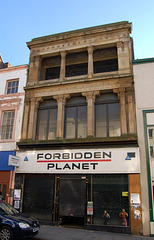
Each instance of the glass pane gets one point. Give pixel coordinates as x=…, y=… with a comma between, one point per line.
x=151, y=142
x=82, y=122
x=52, y=73
x=42, y=124
x=114, y=119
x=70, y=122
x=76, y=70
x=12, y=87
x=52, y=124
x=9, y=84
x=101, y=126
x=7, y=125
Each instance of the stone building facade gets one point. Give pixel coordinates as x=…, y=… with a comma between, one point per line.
x=78, y=151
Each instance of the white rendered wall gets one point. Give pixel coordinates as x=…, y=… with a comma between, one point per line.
x=12, y=73
x=144, y=91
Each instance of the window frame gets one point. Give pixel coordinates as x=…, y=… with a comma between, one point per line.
x=13, y=125
x=48, y=108
x=76, y=105
x=16, y=87
x=106, y=103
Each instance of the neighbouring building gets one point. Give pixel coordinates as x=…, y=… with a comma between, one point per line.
x=78, y=151
x=12, y=81
x=144, y=85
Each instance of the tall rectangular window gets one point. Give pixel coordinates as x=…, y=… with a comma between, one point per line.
x=7, y=125
x=47, y=120
x=12, y=86
x=107, y=116
x=76, y=118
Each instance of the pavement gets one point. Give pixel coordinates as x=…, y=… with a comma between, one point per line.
x=64, y=233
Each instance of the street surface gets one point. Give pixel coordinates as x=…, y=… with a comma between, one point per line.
x=64, y=233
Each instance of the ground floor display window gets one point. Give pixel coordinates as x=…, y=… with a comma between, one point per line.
x=110, y=193
x=38, y=196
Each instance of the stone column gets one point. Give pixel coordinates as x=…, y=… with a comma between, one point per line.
x=31, y=118
x=34, y=70
x=90, y=97
x=123, y=52
x=90, y=62
x=131, y=110
x=25, y=119
x=123, y=117
x=61, y=100
x=62, y=67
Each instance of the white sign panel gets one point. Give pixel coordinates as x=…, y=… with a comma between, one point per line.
x=14, y=161
x=122, y=160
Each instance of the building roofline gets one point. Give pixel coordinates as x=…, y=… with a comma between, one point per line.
x=80, y=32
x=143, y=60
x=14, y=68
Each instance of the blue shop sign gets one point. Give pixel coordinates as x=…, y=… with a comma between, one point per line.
x=4, y=158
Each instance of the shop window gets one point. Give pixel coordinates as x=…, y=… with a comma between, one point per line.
x=106, y=193
x=47, y=120
x=150, y=133
x=12, y=86
x=76, y=118
x=105, y=60
x=151, y=142
x=77, y=64
x=6, y=131
x=107, y=116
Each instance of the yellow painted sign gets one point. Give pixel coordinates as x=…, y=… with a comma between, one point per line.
x=124, y=194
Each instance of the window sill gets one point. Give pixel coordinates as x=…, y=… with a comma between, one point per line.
x=6, y=140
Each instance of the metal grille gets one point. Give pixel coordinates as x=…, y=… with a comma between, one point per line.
x=72, y=197
x=107, y=195
x=38, y=196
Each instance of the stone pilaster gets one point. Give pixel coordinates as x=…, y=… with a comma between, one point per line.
x=25, y=119
x=131, y=110
x=61, y=100
x=90, y=97
x=31, y=118
x=34, y=70
x=90, y=62
x=123, y=117
x=62, y=67
x=123, y=57
x=37, y=103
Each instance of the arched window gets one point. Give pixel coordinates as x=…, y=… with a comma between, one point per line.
x=76, y=118
x=107, y=116
x=47, y=120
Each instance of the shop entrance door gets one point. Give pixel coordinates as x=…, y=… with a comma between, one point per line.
x=4, y=183
x=72, y=199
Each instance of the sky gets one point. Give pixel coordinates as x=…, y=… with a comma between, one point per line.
x=21, y=21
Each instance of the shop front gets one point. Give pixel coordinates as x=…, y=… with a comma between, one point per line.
x=76, y=186
x=6, y=175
